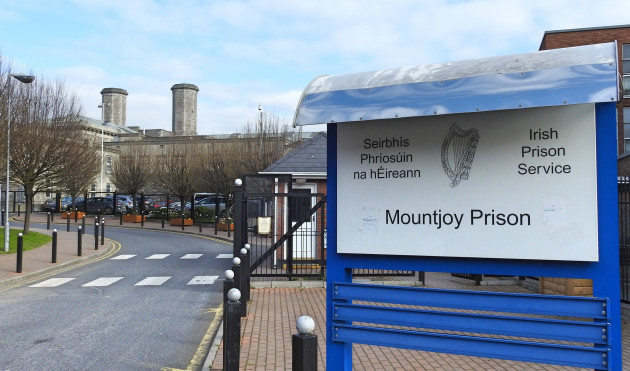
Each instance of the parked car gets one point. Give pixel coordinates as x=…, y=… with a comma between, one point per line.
x=105, y=204
x=50, y=204
x=124, y=203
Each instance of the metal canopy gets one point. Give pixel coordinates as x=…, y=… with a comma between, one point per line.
x=583, y=74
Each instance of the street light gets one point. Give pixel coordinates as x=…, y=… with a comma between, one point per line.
x=26, y=79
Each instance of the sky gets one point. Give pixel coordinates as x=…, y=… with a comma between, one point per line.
x=243, y=54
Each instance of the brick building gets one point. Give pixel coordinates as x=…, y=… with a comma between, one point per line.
x=584, y=36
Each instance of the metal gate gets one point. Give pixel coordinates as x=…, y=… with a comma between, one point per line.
x=286, y=227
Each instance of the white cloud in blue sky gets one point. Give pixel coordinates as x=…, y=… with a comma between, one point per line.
x=244, y=53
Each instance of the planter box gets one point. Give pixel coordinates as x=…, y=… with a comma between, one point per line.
x=134, y=218
x=223, y=226
x=80, y=215
x=178, y=221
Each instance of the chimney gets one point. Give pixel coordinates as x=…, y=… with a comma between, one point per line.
x=184, y=109
x=114, y=102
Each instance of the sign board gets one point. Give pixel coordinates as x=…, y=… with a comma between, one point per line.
x=511, y=184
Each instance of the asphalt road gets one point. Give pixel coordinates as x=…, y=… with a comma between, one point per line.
x=147, y=307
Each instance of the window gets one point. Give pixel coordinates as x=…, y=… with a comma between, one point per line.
x=109, y=165
x=93, y=187
x=108, y=188
x=625, y=81
x=626, y=129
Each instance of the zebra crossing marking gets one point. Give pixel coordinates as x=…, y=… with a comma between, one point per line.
x=192, y=256
x=224, y=256
x=157, y=256
x=102, y=282
x=123, y=257
x=202, y=280
x=153, y=281
x=52, y=282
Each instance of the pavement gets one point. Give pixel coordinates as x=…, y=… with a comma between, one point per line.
x=274, y=307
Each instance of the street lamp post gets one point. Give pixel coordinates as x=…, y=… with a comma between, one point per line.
x=25, y=79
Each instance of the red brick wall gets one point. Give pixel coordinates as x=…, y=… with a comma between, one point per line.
x=555, y=40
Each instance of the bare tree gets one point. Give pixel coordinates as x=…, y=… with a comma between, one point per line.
x=176, y=170
x=76, y=179
x=259, y=146
x=45, y=136
x=132, y=171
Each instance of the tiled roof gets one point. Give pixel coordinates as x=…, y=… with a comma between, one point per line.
x=310, y=157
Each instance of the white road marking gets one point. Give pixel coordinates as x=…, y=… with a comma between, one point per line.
x=153, y=281
x=103, y=281
x=202, y=280
x=157, y=256
x=192, y=256
x=123, y=257
x=52, y=282
x=224, y=256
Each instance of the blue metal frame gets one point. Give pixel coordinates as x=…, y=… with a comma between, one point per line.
x=604, y=273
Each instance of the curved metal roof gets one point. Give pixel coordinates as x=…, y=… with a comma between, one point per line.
x=584, y=74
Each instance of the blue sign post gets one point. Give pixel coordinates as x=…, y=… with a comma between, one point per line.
x=502, y=166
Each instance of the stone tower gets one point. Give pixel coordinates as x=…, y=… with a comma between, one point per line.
x=114, y=105
x=185, y=109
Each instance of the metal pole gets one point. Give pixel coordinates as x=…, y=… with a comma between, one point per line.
x=83, y=225
x=228, y=284
x=48, y=221
x=182, y=221
x=68, y=222
x=20, y=251
x=103, y=231
x=54, y=246
x=96, y=236
x=6, y=205
x=80, y=241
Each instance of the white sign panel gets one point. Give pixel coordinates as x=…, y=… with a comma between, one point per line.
x=517, y=184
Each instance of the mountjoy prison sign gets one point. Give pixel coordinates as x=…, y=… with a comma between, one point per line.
x=503, y=184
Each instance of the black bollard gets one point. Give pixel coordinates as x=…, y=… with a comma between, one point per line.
x=80, y=242
x=200, y=228
x=244, y=275
x=304, y=346
x=121, y=217
x=52, y=216
x=48, y=221
x=76, y=216
x=98, y=214
x=142, y=218
x=3, y=217
x=103, y=231
x=228, y=284
x=68, y=222
x=54, y=246
x=182, y=222
x=233, y=338
x=83, y=225
x=162, y=221
x=96, y=236
x=20, y=252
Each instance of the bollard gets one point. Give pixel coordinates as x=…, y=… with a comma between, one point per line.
x=200, y=228
x=182, y=221
x=228, y=284
x=304, y=345
x=238, y=280
x=54, y=246
x=96, y=236
x=103, y=231
x=162, y=221
x=142, y=218
x=3, y=217
x=76, y=216
x=233, y=337
x=48, y=221
x=83, y=225
x=80, y=242
x=52, y=216
x=248, y=274
x=121, y=217
x=98, y=214
x=19, y=207
x=20, y=252
x=68, y=222
x=244, y=274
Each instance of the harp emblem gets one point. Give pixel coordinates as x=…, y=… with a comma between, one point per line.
x=458, y=151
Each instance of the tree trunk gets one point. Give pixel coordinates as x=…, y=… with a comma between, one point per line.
x=29, y=205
